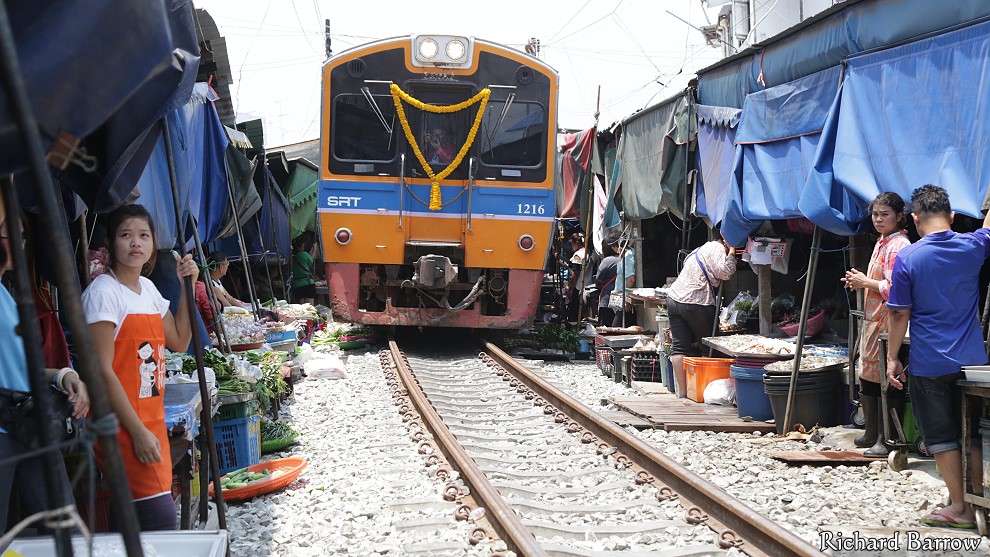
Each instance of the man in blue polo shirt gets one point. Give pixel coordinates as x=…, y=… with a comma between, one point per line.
x=935, y=287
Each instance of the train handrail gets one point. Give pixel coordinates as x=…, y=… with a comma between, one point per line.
x=470, y=188
x=402, y=184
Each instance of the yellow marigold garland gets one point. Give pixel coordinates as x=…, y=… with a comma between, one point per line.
x=398, y=95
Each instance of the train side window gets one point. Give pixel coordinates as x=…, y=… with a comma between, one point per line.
x=518, y=140
x=359, y=128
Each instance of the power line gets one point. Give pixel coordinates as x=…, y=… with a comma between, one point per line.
x=597, y=21
x=240, y=71
x=299, y=21
x=570, y=20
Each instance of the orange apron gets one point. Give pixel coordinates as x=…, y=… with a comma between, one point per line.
x=139, y=362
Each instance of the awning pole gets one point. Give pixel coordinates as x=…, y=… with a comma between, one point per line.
x=261, y=240
x=816, y=241
x=53, y=218
x=240, y=243
x=209, y=288
x=278, y=245
x=206, y=414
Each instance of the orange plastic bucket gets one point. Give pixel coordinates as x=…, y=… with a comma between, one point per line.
x=700, y=372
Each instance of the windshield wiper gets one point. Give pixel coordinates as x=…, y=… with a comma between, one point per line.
x=378, y=111
x=501, y=117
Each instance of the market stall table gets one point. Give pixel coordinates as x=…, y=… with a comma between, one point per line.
x=981, y=503
x=183, y=405
x=651, y=311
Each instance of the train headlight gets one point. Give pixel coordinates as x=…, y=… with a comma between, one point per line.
x=526, y=242
x=455, y=50
x=428, y=49
x=343, y=236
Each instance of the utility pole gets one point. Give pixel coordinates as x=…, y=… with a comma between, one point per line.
x=326, y=37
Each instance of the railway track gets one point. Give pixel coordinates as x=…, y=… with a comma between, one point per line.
x=549, y=476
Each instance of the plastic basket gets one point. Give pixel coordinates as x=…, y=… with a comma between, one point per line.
x=238, y=443
x=284, y=471
x=100, y=522
x=646, y=367
x=815, y=325
x=237, y=410
x=700, y=372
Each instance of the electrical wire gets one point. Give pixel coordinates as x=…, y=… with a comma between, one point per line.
x=593, y=23
x=240, y=72
x=569, y=20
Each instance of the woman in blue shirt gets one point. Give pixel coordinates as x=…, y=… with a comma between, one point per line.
x=26, y=476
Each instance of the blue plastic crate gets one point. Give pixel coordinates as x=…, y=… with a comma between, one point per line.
x=283, y=336
x=238, y=443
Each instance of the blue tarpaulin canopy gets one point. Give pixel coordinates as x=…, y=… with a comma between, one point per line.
x=275, y=221
x=905, y=117
x=776, y=143
x=715, y=155
x=198, y=147
x=824, y=40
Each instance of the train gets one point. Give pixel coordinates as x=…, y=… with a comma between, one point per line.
x=436, y=182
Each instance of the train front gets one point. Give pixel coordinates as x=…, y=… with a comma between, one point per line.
x=436, y=183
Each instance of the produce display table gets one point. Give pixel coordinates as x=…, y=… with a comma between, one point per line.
x=649, y=311
x=183, y=405
x=974, y=392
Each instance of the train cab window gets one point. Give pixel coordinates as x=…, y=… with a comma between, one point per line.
x=361, y=129
x=516, y=139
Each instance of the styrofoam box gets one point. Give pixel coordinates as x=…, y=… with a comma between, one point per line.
x=186, y=543
x=977, y=373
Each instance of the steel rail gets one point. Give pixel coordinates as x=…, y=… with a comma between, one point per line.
x=761, y=535
x=499, y=513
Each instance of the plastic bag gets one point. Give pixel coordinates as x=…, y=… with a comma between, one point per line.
x=721, y=391
x=734, y=315
x=327, y=367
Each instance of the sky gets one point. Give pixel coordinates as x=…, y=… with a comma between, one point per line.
x=633, y=49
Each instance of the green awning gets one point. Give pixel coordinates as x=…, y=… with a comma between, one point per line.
x=302, y=189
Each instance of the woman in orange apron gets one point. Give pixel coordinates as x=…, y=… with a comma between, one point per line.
x=887, y=213
x=131, y=327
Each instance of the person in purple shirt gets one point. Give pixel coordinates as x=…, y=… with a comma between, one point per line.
x=935, y=287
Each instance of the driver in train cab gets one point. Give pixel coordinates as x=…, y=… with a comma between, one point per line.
x=439, y=148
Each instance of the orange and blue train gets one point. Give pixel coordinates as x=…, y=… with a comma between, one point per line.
x=437, y=182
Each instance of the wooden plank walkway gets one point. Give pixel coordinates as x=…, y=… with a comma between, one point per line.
x=665, y=411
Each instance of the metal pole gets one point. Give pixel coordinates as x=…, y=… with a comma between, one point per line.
x=278, y=245
x=206, y=415
x=264, y=251
x=209, y=288
x=809, y=283
x=52, y=217
x=31, y=339
x=240, y=243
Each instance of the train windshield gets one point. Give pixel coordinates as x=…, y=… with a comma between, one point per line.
x=364, y=128
x=513, y=133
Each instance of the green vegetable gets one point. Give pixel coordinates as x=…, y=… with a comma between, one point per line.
x=556, y=337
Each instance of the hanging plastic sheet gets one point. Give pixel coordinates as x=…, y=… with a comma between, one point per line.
x=905, y=117
x=274, y=219
x=716, y=151
x=198, y=147
x=575, y=158
x=655, y=156
x=80, y=61
x=302, y=188
x=240, y=173
x=827, y=39
x=776, y=143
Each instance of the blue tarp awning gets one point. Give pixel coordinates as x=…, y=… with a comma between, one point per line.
x=776, y=144
x=198, y=147
x=905, y=117
x=828, y=38
x=715, y=155
x=275, y=221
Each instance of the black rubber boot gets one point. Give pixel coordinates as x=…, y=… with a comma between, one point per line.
x=880, y=449
x=871, y=414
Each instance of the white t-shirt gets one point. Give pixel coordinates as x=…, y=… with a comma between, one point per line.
x=108, y=300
